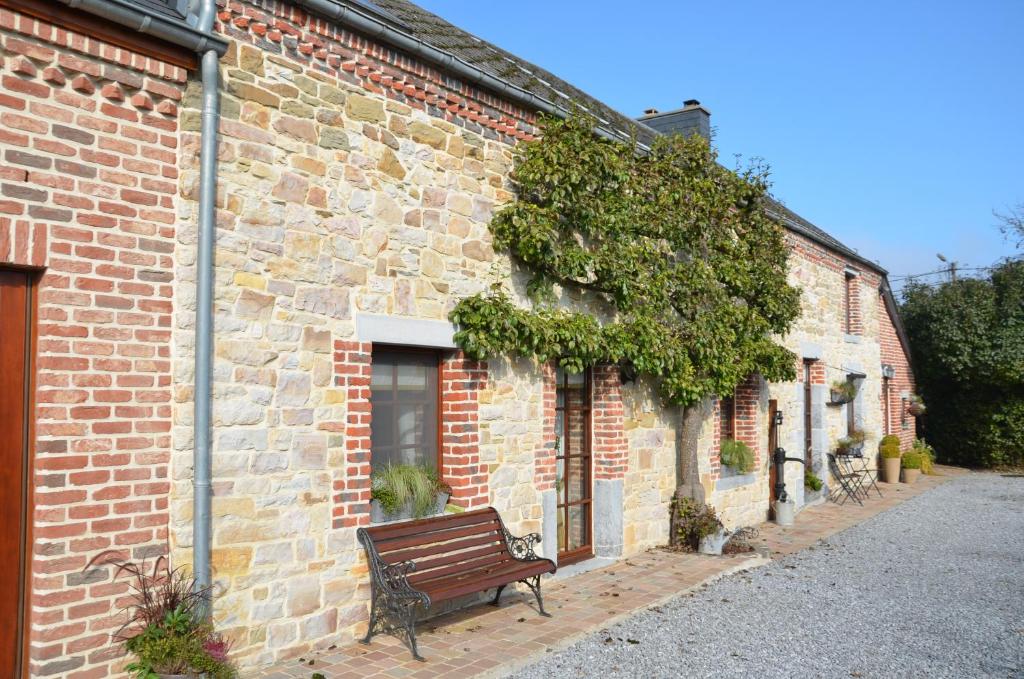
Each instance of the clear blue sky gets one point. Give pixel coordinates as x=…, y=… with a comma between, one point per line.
x=896, y=126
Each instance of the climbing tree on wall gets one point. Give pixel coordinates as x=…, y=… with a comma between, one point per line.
x=663, y=261
x=683, y=266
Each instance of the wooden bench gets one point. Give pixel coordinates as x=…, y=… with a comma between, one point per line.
x=424, y=562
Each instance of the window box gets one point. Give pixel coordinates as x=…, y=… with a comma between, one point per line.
x=378, y=515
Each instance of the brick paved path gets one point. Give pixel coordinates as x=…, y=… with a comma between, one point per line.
x=487, y=641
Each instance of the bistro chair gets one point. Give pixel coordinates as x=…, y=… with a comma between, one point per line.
x=849, y=482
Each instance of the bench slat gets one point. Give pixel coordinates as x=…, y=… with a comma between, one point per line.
x=491, y=560
x=437, y=536
x=453, y=587
x=398, y=530
x=423, y=565
x=445, y=548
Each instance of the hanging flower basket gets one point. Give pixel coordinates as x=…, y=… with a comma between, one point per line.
x=916, y=406
x=842, y=393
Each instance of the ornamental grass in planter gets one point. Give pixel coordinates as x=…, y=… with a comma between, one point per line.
x=167, y=630
x=842, y=392
x=889, y=449
x=912, y=462
x=406, y=491
x=736, y=455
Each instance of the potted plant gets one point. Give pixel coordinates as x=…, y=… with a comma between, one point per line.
x=737, y=455
x=406, y=491
x=851, y=444
x=889, y=449
x=843, y=391
x=916, y=406
x=167, y=630
x=911, y=466
x=927, y=456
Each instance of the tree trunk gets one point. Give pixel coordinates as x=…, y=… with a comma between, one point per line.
x=688, y=483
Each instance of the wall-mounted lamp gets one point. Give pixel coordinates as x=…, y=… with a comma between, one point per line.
x=888, y=371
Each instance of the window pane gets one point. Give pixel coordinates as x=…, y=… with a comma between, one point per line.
x=403, y=402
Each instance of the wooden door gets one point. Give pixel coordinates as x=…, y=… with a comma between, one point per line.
x=773, y=443
x=574, y=467
x=15, y=345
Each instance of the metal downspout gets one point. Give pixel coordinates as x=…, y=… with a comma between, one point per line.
x=201, y=493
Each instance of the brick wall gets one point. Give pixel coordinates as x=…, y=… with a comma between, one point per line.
x=461, y=383
x=610, y=447
x=851, y=305
x=901, y=423
x=546, y=465
x=352, y=369
x=88, y=136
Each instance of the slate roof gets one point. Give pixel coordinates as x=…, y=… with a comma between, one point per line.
x=506, y=66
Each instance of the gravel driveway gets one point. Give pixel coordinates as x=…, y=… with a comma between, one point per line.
x=931, y=588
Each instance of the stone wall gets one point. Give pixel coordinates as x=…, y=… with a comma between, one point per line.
x=88, y=137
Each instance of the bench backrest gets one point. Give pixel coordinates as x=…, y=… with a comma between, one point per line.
x=443, y=545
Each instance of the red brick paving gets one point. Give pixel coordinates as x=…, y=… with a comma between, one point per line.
x=483, y=641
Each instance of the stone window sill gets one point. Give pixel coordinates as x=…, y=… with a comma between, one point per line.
x=730, y=482
x=851, y=339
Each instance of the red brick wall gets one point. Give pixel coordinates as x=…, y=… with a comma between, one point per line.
x=901, y=423
x=352, y=370
x=461, y=382
x=545, y=469
x=610, y=447
x=88, y=137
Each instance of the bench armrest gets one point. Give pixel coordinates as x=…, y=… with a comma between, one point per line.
x=521, y=548
x=393, y=578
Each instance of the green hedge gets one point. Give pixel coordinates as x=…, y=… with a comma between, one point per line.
x=967, y=342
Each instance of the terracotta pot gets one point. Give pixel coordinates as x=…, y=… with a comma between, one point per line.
x=911, y=475
x=892, y=469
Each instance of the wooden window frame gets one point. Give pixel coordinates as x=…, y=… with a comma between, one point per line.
x=438, y=354
x=808, y=414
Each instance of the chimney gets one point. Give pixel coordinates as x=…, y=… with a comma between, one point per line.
x=692, y=118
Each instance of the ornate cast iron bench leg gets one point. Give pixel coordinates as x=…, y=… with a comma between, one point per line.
x=534, y=585
x=497, y=596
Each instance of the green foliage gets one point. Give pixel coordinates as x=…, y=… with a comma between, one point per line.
x=677, y=258
x=927, y=454
x=812, y=481
x=692, y=522
x=398, y=485
x=736, y=454
x=912, y=460
x=890, y=450
x=179, y=645
x=889, y=440
x=967, y=340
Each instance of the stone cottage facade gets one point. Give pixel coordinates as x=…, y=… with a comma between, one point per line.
x=355, y=184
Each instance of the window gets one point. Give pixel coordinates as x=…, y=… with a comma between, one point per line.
x=848, y=303
x=851, y=410
x=574, y=466
x=727, y=407
x=404, y=400
x=808, y=415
